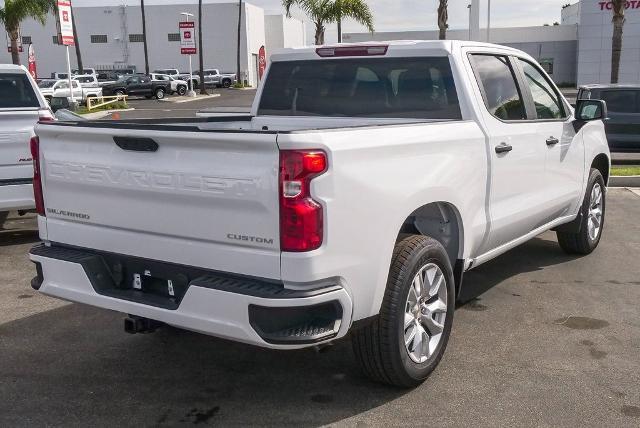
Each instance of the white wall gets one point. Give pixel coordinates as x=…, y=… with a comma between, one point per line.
x=594, y=44
x=570, y=15
x=539, y=34
x=282, y=32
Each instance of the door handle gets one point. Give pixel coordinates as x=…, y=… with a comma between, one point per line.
x=552, y=141
x=503, y=148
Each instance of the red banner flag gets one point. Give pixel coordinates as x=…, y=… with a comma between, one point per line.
x=32, y=62
x=262, y=62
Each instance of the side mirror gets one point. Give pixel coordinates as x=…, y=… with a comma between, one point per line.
x=589, y=110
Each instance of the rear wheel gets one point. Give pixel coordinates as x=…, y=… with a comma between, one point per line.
x=226, y=83
x=591, y=219
x=182, y=90
x=3, y=217
x=159, y=93
x=406, y=341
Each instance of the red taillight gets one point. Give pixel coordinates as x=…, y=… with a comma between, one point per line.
x=37, y=179
x=301, y=218
x=330, y=51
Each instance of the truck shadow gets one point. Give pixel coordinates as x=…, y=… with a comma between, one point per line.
x=76, y=365
x=532, y=256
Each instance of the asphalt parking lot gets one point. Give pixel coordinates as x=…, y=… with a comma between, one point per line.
x=154, y=109
x=550, y=340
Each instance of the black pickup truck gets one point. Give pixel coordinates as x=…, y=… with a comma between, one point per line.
x=137, y=85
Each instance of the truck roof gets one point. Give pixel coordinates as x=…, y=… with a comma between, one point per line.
x=435, y=46
x=11, y=68
x=611, y=86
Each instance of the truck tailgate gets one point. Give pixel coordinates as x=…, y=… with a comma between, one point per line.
x=204, y=199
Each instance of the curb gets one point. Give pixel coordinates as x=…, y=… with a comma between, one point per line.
x=188, y=100
x=628, y=181
x=103, y=113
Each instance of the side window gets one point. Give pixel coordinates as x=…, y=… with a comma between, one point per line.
x=501, y=94
x=622, y=101
x=546, y=100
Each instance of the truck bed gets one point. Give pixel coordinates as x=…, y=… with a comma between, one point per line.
x=245, y=122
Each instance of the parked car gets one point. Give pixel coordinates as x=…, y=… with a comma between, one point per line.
x=61, y=89
x=85, y=71
x=623, y=105
x=176, y=86
x=365, y=181
x=21, y=106
x=213, y=77
x=138, y=86
x=59, y=76
x=88, y=80
x=173, y=72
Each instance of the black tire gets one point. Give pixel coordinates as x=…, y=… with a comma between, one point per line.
x=583, y=242
x=226, y=83
x=182, y=90
x=3, y=217
x=159, y=93
x=380, y=346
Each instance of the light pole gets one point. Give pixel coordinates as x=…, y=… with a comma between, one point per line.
x=191, y=93
x=489, y=21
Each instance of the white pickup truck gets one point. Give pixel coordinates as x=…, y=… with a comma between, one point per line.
x=366, y=180
x=60, y=88
x=21, y=107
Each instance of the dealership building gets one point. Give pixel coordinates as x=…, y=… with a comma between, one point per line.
x=578, y=51
x=110, y=36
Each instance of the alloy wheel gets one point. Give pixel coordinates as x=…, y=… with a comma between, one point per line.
x=425, y=313
x=594, y=220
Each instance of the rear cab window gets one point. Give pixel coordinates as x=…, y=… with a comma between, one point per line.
x=412, y=88
x=16, y=91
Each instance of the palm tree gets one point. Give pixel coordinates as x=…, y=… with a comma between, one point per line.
x=203, y=89
x=240, y=81
x=144, y=38
x=16, y=11
x=443, y=17
x=323, y=12
x=616, y=41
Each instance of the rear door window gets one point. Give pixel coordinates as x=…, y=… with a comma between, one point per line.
x=16, y=91
x=418, y=88
x=500, y=90
x=622, y=100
